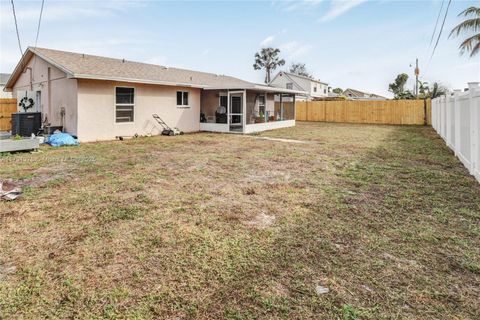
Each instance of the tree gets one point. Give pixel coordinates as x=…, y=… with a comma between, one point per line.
x=436, y=91
x=338, y=91
x=470, y=24
x=269, y=60
x=398, y=87
x=300, y=69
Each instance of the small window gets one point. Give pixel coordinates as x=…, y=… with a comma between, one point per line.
x=182, y=98
x=261, y=104
x=290, y=86
x=223, y=100
x=314, y=88
x=325, y=91
x=124, y=104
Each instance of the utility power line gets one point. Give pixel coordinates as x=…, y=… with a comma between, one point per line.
x=441, y=29
x=436, y=25
x=439, y=35
x=36, y=38
x=16, y=28
x=39, y=22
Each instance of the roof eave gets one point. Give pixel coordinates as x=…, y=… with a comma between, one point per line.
x=134, y=80
x=29, y=52
x=259, y=88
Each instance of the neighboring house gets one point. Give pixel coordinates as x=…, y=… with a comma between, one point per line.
x=99, y=98
x=3, y=80
x=353, y=94
x=314, y=88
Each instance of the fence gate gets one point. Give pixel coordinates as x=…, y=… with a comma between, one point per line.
x=7, y=107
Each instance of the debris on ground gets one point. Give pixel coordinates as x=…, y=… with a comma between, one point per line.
x=9, y=190
x=321, y=290
x=59, y=139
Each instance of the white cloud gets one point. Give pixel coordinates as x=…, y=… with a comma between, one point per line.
x=28, y=12
x=293, y=49
x=340, y=7
x=290, y=6
x=267, y=40
x=205, y=52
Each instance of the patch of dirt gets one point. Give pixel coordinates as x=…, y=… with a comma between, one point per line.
x=261, y=221
x=6, y=269
x=269, y=176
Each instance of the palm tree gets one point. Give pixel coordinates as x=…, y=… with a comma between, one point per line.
x=437, y=90
x=269, y=60
x=472, y=23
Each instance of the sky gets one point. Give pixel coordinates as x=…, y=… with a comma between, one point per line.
x=349, y=44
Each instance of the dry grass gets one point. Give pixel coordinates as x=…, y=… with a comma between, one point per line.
x=226, y=226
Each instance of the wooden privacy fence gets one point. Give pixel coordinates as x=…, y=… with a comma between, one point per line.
x=416, y=112
x=7, y=107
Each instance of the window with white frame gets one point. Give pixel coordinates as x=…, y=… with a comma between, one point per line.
x=261, y=104
x=315, y=88
x=182, y=98
x=290, y=85
x=124, y=104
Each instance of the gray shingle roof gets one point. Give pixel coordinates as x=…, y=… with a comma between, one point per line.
x=85, y=66
x=90, y=66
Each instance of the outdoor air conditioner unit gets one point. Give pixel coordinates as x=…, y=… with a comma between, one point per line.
x=26, y=123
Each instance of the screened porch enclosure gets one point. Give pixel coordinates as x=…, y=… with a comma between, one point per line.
x=246, y=111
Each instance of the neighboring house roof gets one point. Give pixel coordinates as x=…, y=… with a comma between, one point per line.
x=84, y=66
x=4, y=78
x=293, y=76
x=281, y=73
x=360, y=94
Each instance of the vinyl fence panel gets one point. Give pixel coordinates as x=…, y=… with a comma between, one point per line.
x=456, y=118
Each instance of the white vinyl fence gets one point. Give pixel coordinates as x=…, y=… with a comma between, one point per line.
x=456, y=118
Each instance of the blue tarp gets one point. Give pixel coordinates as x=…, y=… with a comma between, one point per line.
x=61, y=139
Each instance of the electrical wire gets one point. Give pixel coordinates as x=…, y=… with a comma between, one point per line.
x=16, y=28
x=441, y=29
x=438, y=37
x=36, y=38
x=436, y=25
x=39, y=22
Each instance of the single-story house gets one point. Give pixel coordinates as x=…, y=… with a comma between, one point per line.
x=3, y=80
x=314, y=88
x=99, y=98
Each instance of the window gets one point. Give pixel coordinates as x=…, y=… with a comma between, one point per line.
x=325, y=91
x=290, y=86
x=124, y=104
x=223, y=100
x=182, y=98
x=314, y=88
x=261, y=104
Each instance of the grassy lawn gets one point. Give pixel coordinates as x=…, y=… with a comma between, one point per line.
x=236, y=227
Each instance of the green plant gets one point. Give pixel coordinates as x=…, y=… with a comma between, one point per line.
x=471, y=23
x=269, y=60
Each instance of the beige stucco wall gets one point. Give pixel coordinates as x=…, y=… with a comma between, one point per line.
x=63, y=93
x=96, y=105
